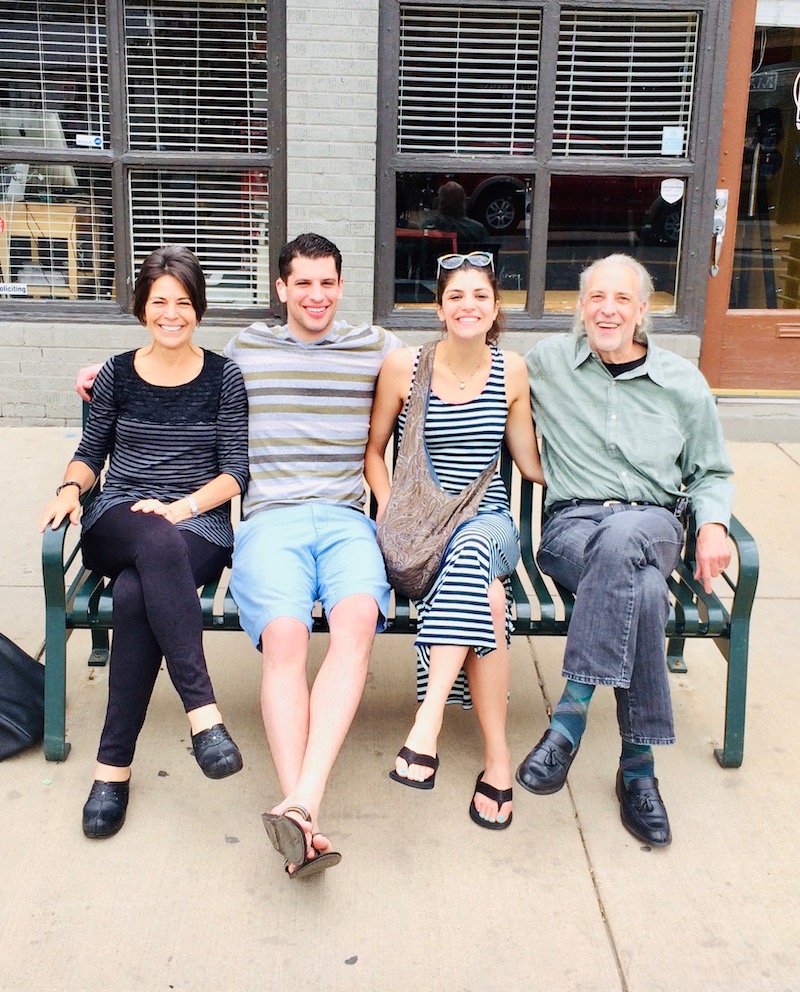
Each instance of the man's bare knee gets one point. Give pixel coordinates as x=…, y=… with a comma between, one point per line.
x=284, y=641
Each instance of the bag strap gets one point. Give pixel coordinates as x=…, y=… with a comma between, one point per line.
x=413, y=442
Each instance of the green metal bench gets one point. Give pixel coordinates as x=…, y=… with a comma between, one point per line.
x=79, y=599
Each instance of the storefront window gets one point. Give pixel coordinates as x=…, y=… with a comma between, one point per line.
x=553, y=139
x=766, y=268
x=101, y=162
x=593, y=216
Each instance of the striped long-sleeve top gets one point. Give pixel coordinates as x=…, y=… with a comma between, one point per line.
x=165, y=442
x=310, y=404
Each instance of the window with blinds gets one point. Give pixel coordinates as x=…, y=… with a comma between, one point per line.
x=54, y=74
x=197, y=82
x=101, y=163
x=468, y=79
x=625, y=82
x=518, y=116
x=221, y=216
x=197, y=75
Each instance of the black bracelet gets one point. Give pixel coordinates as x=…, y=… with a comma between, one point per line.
x=69, y=482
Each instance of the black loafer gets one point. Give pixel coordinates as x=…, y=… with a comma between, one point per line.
x=104, y=811
x=642, y=810
x=216, y=753
x=545, y=769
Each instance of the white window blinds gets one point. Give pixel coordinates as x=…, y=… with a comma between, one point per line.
x=468, y=79
x=197, y=75
x=221, y=216
x=54, y=76
x=625, y=82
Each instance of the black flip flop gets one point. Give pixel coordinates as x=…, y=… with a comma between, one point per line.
x=412, y=758
x=499, y=796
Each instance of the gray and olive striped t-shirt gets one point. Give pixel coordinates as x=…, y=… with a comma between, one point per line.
x=309, y=406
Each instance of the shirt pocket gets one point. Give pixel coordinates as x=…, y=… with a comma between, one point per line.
x=658, y=442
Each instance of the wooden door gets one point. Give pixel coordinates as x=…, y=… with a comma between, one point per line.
x=752, y=328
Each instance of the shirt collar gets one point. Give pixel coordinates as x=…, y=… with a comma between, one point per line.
x=652, y=366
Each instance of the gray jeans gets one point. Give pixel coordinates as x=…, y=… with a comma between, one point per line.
x=616, y=560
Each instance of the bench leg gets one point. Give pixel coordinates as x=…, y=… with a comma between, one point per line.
x=731, y=754
x=99, y=655
x=675, y=662
x=56, y=747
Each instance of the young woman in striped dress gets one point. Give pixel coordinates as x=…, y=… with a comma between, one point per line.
x=173, y=419
x=479, y=397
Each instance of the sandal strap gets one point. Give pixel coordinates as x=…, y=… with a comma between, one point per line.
x=412, y=758
x=499, y=796
x=305, y=815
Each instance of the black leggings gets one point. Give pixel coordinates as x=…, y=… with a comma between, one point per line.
x=156, y=568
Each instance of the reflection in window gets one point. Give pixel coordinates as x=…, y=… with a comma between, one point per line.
x=593, y=216
x=438, y=213
x=766, y=264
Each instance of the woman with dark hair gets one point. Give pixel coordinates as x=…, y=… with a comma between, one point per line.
x=479, y=397
x=173, y=419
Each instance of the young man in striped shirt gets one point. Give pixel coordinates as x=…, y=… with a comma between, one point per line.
x=310, y=385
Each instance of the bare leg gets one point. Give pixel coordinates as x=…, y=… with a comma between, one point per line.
x=314, y=733
x=446, y=660
x=285, y=696
x=489, y=678
x=111, y=773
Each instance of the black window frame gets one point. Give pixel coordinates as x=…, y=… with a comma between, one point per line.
x=698, y=169
x=121, y=160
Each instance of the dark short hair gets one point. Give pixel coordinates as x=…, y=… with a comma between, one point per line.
x=170, y=260
x=443, y=279
x=452, y=200
x=307, y=246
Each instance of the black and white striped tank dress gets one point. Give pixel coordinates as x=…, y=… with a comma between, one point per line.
x=462, y=439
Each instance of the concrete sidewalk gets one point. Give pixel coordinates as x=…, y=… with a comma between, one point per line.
x=190, y=895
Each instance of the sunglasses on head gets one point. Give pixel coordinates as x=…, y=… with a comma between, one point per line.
x=480, y=259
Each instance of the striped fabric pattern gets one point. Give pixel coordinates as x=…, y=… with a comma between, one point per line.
x=462, y=439
x=456, y=610
x=167, y=441
x=309, y=405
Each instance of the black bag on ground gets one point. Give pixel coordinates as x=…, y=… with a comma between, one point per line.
x=21, y=699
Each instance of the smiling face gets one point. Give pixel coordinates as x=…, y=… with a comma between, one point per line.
x=169, y=314
x=611, y=310
x=311, y=292
x=469, y=306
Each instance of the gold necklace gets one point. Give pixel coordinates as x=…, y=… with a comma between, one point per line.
x=462, y=383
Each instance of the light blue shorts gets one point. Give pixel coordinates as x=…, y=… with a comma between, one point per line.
x=289, y=558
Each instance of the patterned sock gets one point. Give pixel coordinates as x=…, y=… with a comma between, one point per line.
x=636, y=761
x=569, y=716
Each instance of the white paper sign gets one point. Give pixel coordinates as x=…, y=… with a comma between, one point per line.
x=671, y=190
x=672, y=140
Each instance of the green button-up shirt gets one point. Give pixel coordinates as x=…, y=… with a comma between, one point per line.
x=651, y=434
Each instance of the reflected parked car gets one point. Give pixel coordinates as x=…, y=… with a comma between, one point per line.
x=577, y=203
